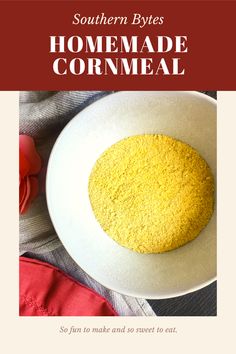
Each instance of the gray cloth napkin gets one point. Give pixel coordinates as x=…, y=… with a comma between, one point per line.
x=43, y=114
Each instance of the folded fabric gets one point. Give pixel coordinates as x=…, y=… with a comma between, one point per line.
x=47, y=291
x=123, y=304
x=43, y=114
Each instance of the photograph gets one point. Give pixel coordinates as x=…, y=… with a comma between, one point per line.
x=118, y=176
x=117, y=203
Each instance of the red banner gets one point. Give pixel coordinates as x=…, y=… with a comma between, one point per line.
x=117, y=45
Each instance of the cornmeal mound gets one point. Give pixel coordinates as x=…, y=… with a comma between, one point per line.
x=151, y=193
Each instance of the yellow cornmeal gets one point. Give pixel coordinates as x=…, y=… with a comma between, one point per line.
x=151, y=193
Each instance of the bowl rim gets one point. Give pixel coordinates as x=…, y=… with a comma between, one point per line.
x=128, y=293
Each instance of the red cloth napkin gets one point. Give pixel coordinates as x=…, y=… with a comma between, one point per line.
x=47, y=291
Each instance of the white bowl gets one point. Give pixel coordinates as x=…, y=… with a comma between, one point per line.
x=188, y=116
